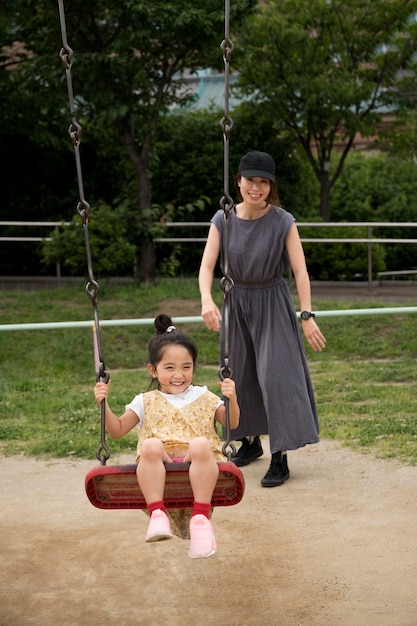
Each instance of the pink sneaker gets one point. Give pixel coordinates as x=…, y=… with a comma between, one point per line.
x=159, y=527
x=203, y=542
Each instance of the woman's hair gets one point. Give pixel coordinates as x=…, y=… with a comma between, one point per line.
x=272, y=196
x=168, y=335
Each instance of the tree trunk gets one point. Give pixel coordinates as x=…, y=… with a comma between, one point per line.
x=325, y=195
x=145, y=260
x=144, y=269
x=145, y=251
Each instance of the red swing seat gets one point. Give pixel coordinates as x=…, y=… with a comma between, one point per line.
x=116, y=487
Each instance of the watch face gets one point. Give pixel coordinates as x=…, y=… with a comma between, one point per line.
x=305, y=315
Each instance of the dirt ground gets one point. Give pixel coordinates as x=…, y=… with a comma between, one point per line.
x=335, y=546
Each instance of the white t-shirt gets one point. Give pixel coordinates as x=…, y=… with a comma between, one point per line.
x=179, y=400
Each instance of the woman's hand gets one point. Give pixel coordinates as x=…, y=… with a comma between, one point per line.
x=211, y=315
x=313, y=335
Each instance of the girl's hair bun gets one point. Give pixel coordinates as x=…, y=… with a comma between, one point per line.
x=162, y=323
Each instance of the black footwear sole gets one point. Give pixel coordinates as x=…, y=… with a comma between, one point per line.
x=247, y=461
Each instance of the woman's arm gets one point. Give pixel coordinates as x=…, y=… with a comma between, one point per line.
x=209, y=310
x=295, y=251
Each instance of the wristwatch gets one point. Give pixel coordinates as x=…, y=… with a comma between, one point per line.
x=305, y=315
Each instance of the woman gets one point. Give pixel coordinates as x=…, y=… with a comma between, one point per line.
x=267, y=357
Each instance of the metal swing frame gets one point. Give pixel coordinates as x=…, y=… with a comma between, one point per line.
x=116, y=486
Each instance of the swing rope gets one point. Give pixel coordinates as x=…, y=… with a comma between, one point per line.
x=83, y=208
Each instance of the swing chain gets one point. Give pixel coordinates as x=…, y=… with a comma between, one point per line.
x=226, y=203
x=227, y=48
x=226, y=123
x=83, y=208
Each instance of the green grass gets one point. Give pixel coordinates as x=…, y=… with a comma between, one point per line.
x=365, y=380
x=370, y=405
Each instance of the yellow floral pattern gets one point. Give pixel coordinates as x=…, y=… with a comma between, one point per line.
x=177, y=427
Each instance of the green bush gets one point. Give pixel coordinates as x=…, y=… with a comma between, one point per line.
x=340, y=261
x=111, y=251
x=380, y=188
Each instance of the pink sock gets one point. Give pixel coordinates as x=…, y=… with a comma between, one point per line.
x=201, y=508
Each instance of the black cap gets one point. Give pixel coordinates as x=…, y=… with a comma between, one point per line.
x=257, y=164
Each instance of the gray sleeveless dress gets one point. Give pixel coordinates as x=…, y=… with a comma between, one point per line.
x=266, y=350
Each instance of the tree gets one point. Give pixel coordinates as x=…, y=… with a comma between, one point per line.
x=326, y=70
x=200, y=173
x=381, y=188
x=129, y=57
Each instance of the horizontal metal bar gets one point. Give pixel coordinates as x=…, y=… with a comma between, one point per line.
x=304, y=240
x=203, y=239
x=358, y=240
x=86, y=324
x=314, y=224
x=25, y=238
x=191, y=224
x=182, y=239
x=47, y=224
x=397, y=272
x=371, y=224
x=196, y=319
x=206, y=224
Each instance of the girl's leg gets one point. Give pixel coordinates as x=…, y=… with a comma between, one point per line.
x=204, y=470
x=151, y=471
x=151, y=476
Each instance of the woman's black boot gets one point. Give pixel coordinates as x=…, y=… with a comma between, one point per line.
x=248, y=452
x=278, y=471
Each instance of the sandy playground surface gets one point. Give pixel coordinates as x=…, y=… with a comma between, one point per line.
x=334, y=546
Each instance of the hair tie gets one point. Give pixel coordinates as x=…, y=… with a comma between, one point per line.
x=170, y=329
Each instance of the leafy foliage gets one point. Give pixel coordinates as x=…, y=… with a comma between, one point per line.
x=381, y=188
x=196, y=136
x=110, y=248
x=343, y=261
x=305, y=67
x=326, y=71
x=127, y=71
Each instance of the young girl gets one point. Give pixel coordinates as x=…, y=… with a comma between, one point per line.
x=176, y=422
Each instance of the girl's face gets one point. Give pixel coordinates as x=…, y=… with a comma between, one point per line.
x=254, y=190
x=175, y=370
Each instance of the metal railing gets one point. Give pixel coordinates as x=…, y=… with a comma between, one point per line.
x=368, y=239
x=49, y=225
x=54, y=225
